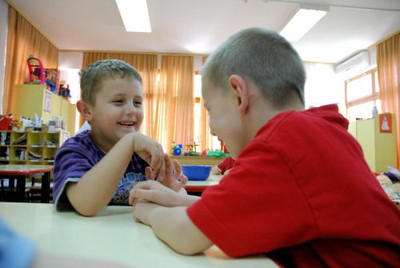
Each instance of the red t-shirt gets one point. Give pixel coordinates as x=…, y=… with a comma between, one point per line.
x=226, y=164
x=302, y=193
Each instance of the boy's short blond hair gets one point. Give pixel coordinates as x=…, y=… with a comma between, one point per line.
x=262, y=56
x=93, y=76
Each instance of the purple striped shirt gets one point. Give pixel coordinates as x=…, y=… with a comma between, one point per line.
x=77, y=156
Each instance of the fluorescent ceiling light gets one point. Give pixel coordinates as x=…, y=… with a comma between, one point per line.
x=302, y=22
x=135, y=15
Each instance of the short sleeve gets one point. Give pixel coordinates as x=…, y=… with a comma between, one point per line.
x=76, y=157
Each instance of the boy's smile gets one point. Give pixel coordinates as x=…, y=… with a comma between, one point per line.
x=127, y=124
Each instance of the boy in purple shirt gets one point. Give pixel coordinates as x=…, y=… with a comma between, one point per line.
x=100, y=166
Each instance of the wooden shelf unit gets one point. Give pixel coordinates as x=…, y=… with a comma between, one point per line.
x=30, y=147
x=36, y=99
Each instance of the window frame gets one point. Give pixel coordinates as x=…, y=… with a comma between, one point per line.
x=373, y=97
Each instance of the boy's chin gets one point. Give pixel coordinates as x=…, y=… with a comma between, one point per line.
x=125, y=131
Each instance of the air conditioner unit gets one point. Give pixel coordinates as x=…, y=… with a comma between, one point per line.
x=356, y=62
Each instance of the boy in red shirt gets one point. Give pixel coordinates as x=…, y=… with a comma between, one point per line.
x=224, y=167
x=301, y=191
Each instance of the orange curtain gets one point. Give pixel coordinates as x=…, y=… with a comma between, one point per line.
x=23, y=40
x=173, y=102
x=146, y=64
x=388, y=62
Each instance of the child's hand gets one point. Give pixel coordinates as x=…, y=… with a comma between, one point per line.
x=151, y=152
x=215, y=170
x=142, y=211
x=174, y=179
x=154, y=192
x=227, y=171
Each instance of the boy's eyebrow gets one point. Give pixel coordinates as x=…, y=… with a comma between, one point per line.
x=123, y=95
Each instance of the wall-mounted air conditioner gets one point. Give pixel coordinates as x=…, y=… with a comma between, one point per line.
x=356, y=62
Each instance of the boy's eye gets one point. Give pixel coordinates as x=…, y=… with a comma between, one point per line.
x=118, y=101
x=137, y=103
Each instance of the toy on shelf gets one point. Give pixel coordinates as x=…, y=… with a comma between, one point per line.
x=191, y=149
x=5, y=122
x=36, y=70
x=216, y=153
x=52, y=80
x=63, y=91
x=176, y=149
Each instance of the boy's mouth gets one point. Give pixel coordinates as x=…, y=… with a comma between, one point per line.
x=127, y=123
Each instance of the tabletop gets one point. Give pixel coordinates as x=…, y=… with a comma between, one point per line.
x=112, y=235
x=24, y=169
x=198, y=186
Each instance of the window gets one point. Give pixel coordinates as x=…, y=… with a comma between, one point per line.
x=362, y=94
x=197, y=107
x=214, y=144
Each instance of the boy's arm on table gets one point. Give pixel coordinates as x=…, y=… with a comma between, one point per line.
x=167, y=217
x=95, y=189
x=173, y=226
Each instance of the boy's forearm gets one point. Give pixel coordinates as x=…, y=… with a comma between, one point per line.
x=95, y=189
x=187, y=199
x=173, y=226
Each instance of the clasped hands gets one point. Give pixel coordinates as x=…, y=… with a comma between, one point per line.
x=162, y=189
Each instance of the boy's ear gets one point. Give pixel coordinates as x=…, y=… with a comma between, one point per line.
x=84, y=110
x=239, y=87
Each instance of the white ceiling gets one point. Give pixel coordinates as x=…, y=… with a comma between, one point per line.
x=198, y=26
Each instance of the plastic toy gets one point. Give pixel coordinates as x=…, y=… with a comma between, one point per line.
x=176, y=149
x=36, y=69
x=51, y=86
x=216, y=153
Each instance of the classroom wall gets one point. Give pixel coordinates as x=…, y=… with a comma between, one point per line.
x=3, y=45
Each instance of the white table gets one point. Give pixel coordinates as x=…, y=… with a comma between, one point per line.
x=194, y=186
x=112, y=235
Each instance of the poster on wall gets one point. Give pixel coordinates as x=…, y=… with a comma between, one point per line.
x=385, y=123
x=47, y=102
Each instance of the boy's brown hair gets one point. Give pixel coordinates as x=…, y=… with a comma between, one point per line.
x=93, y=76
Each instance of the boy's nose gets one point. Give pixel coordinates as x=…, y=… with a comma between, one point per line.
x=130, y=108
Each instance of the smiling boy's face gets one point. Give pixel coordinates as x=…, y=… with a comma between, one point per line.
x=117, y=111
x=224, y=118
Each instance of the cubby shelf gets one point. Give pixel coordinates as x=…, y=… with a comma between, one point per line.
x=30, y=147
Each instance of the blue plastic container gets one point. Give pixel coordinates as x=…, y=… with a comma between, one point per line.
x=196, y=172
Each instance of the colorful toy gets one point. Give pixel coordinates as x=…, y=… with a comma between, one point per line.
x=51, y=86
x=216, y=153
x=176, y=149
x=36, y=69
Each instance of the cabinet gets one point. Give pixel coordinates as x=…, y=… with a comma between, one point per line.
x=31, y=147
x=36, y=99
x=379, y=147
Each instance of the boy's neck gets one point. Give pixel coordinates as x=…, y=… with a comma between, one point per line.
x=104, y=147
